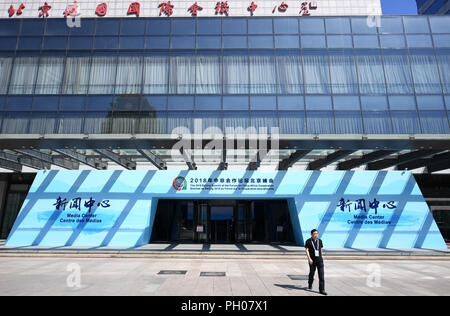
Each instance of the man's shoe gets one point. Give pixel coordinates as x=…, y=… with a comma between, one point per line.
x=309, y=287
x=323, y=293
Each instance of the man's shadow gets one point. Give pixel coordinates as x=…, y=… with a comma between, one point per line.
x=294, y=287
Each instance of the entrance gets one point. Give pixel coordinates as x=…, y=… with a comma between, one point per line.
x=223, y=221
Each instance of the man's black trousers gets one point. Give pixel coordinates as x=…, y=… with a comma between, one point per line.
x=317, y=263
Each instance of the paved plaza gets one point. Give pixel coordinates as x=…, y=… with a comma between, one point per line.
x=136, y=276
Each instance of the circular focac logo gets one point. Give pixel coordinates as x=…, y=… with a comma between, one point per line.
x=179, y=183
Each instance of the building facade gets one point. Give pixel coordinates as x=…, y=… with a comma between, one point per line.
x=433, y=6
x=265, y=91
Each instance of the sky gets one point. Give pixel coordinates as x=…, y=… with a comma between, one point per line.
x=399, y=7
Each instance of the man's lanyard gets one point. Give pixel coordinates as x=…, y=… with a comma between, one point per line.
x=316, y=251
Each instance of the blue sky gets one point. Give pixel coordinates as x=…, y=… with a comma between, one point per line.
x=399, y=7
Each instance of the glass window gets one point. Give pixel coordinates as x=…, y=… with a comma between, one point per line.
x=183, y=41
x=441, y=40
x=260, y=41
x=103, y=73
x=402, y=102
x=132, y=42
x=9, y=27
x=124, y=122
x=50, y=75
x=360, y=26
x=312, y=26
x=425, y=72
x=313, y=41
x=15, y=122
x=260, y=26
x=377, y=122
x=179, y=122
x=32, y=27
x=391, y=25
x=23, y=75
x=106, y=42
x=292, y=122
x=180, y=103
x=209, y=42
x=158, y=26
x=80, y=42
x=234, y=26
x=152, y=123
x=42, y=123
x=156, y=69
x=211, y=121
x=234, y=41
x=87, y=29
x=97, y=123
x=154, y=103
x=263, y=103
x=235, y=74
x=183, y=26
x=208, y=75
x=236, y=121
x=19, y=103
x=374, y=103
x=72, y=103
x=208, y=102
x=289, y=74
x=339, y=41
x=182, y=75
x=370, y=73
x=434, y=122
x=57, y=27
x=343, y=73
x=348, y=122
x=292, y=102
x=405, y=122
x=398, y=72
x=76, y=75
x=262, y=74
x=235, y=103
x=415, y=24
x=99, y=103
x=129, y=75
x=347, y=102
x=157, y=42
x=318, y=103
x=209, y=26
x=430, y=102
x=55, y=42
x=8, y=43
x=5, y=70
x=263, y=121
x=286, y=25
x=316, y=73
x=439, y=24
x=338, y=25
x=287, y=41
x=30, y=43
x=320, y=122
x=133, y=27
x=70, y=123
x=365, y=41
x=107, y=26
x=419, y=40
x=443, y=58
x=392, y=41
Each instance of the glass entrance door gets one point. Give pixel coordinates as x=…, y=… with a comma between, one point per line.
x=222, y=223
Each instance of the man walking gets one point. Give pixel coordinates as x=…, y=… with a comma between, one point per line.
x=313, y=248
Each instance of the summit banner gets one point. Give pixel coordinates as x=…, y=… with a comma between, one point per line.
x=351, y=209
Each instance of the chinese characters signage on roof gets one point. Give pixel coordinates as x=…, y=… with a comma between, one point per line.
x=183, y=8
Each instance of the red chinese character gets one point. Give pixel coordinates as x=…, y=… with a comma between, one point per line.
x=222, y=7
x=304, y=9
x=19, y=11
x=166, y=8
x=71, y=10
x=313, y=5
x=101, y=9
x=134, y=8
x=44, y=10
x=281, y=8
x=194, y=8
x=252, y=8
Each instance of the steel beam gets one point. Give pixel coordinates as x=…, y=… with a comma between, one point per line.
x=419, y=163
x=292, y=159
x=401, y=159
x=92, y=162
x=438, y=166
x=25, y=161
x=320, y=163
x=7, y=164
x=223, y=165
x=120, y=160
x=153, y=158
x=188, y=159
x=365, y=159
x=61, y=162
